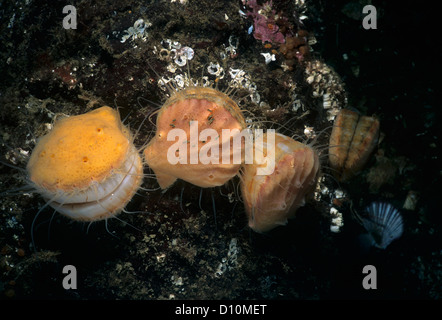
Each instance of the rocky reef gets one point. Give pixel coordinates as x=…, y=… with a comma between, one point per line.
x=193, y=243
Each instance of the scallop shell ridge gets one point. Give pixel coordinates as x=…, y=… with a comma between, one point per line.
x=384, y=223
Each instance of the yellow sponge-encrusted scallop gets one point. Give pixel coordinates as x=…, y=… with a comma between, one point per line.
x=79, y=150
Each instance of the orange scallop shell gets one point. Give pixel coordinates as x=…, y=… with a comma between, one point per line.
x=213, y=110
x=270, y=200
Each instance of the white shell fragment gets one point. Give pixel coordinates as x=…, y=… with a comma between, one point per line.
x=268, y=57
x=231, y=261
x=137, y=31
x=187, y=52
x=180, y=61
x=383, y=223
x=255, y=97
x=182, y=54
x=215, y=69
x=233, y=45
x=236, y=73
x=411, y=201
x=174, y=51
x=309, y=132
x=337, y=220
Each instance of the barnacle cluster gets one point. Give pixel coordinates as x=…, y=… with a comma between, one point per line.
x=231, y=49
x=138, y=31
x=177, y=56
x=336, y=216
x=173, y=51
x=327, y=86
x=229, y=262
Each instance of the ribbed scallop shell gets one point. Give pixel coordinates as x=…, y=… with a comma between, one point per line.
x=352, y=141
x=87, y=167
x=211, y=110
x=384, y=223
x=270, y=200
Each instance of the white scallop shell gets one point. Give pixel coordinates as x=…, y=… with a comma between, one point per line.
x=384, y=223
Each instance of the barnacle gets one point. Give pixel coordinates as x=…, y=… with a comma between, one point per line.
x=326, y=85
x=137, y=31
